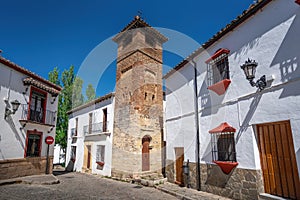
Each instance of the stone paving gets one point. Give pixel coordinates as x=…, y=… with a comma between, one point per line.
x=187, y=193
x=81, y=186
x=84, y=186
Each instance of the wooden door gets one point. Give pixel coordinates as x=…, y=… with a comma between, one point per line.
x=278, y=161
x=104, y=125
x=88, y=164
x=179, y=153
x=145, y=156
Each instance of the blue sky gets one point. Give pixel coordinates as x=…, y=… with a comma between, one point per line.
x=40, y=35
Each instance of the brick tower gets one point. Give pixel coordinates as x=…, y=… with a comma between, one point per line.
x=138, y=112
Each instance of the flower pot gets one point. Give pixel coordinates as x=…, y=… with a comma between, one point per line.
x=100, y=163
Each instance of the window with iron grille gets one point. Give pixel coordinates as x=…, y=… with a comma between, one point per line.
x=218, y=67
x=33, y=145
x=223, y=143
x=100, y=153
x=38, y=99
x=225, y=147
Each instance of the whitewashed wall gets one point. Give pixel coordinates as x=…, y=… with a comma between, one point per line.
x=83, y=120
x=12, y=135
x=271, y=37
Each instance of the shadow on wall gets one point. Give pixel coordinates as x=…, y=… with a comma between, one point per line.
x=253, y=37
x=70, y=166
x=207, y=155
x=205, y=98
x=216, y=177
x=288, y=57
x=209, y=100
x=249, y=115
x=18, y=134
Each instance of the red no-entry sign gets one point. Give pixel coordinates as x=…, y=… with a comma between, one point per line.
x=49, y=140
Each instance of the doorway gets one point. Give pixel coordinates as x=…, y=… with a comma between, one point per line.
x=88, y=164
x=146, y=153
x=278, y=160
x=179, y=153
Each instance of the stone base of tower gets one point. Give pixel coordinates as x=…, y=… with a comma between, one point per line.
x=128, y=165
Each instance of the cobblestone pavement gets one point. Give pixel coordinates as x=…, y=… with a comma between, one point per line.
x=188, y=193
x=81, y=186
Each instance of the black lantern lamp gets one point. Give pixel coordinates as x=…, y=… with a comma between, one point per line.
x=15, y=105
x=249, y=68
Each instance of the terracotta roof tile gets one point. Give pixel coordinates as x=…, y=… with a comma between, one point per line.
x=28, y=73
x=38, y=84
x=138, y=22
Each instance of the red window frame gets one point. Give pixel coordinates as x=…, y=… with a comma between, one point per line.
x=34, y=132
x=45, y=102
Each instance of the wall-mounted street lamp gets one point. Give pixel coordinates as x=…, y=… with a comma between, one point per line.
x=249, y=68
x=15, y=105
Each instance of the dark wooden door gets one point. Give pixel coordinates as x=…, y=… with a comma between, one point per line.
x=278, y=160
x=179, y=153
x=145, y=156
x=88, y=165
x=104, y=125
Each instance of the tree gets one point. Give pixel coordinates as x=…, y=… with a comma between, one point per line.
x=90, y=93
x=71, y=96
x=77, y=97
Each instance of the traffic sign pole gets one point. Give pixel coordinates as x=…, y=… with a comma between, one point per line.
x=49, y=140
x=47, y=162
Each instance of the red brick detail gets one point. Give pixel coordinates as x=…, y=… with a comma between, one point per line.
x=223, y=128
x=217, y=54
x=226, y=167
x=220, y=87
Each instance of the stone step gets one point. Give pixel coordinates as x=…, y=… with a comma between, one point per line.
x=152, y=176
x=152, y=183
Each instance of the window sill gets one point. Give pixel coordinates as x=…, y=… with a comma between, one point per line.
x=100, y=133
x=100, y=163
x=220, y=87
x=226, y=166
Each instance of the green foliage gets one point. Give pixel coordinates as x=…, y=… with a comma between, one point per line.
x=90, y=93
x=77, y=97
x=71, y=96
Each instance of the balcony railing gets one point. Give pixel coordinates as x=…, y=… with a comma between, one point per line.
x=95, y=128
x=41, y=115
x=86, y=130
x=73, y=132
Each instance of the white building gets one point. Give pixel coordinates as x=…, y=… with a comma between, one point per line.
x=257, y=150
x=23, y=132
x=90, y=135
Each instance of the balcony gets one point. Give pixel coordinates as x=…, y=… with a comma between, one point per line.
x=37, y=116
x=96, y=128
x=73, y=132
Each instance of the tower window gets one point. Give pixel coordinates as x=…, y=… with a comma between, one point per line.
x=145, y=95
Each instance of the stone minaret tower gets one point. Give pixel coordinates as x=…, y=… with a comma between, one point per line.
x=137, y=137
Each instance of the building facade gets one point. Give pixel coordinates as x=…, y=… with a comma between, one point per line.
x=247, y=137
x=133, y=141
x=29, y=110
x=90, y=134
x=138, y=108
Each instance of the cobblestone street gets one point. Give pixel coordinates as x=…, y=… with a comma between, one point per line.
x=81, y=186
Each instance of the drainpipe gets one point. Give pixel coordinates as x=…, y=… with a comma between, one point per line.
x=198, y=171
